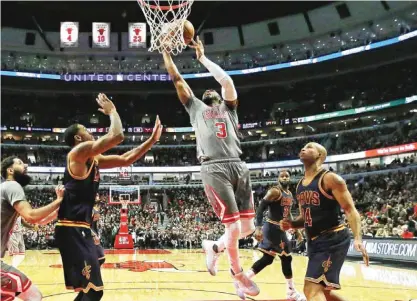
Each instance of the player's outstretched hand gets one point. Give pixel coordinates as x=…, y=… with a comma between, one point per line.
x=59, y=190
x=198, y=46
x=106, y=104
x=258, y=234
x=285, y=225
x=361, y=249
x=157, y=130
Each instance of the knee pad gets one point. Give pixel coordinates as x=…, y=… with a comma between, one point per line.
x=286, y=266
x=265, y=260
x=248, y=227
x=232, y=232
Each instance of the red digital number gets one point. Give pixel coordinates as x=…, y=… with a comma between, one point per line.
x=101, y=38
x=222, y=133
x=69, y=38
x=307, y=217
x=137, y=39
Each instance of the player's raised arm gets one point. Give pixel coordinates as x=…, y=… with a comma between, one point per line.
x=334, y=183
x=229, y=93
x=89, y=149
x=133, y=155
x=183, y=89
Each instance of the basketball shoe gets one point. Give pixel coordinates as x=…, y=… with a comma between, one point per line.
x=211, y=256
x=293, y=295
x=244, y=285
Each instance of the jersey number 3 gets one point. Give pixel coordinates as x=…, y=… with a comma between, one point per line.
x=221, y=133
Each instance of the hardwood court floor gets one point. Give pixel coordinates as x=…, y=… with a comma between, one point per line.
x=181, y=275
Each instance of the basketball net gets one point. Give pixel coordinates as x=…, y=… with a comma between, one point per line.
x=166, y=23
x=124, y=203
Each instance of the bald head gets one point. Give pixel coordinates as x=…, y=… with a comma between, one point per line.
x=321, y=150
x=313, y=152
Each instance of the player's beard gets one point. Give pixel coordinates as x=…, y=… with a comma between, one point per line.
x=21, y=178
x=285, y=185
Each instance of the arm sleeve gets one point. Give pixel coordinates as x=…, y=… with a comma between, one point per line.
x=260, y=212
x=228, y=88
x=14, y=193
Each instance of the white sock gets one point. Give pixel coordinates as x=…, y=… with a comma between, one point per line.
x=250, y=274
x=247, y=227
x=17, y=260
x=290, y=285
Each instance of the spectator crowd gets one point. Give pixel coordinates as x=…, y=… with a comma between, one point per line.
x=269, y=150
x=387, y=204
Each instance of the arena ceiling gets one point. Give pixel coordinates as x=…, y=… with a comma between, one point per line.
x=49, y=14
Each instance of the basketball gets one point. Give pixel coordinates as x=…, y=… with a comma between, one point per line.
x=188, y=32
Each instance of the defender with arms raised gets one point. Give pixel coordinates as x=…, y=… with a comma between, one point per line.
x=73, y=233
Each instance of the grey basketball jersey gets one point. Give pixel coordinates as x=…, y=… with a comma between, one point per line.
x=11, y=192
x=216, y=130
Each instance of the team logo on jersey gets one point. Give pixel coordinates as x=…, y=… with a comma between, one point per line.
x=309, y=197
x=86, y=271
x=326, y=264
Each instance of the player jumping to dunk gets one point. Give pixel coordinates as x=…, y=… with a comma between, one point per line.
x=225, y=177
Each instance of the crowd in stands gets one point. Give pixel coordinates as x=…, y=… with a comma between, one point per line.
x=387, y=204
x=283, y=149
x=275, y=102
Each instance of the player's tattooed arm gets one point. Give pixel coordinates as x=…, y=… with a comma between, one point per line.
x=337, y=186
x=183, y=89
x=273, y=195
x=335, y=183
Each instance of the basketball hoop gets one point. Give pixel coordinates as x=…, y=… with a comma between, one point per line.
x=166, y=23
